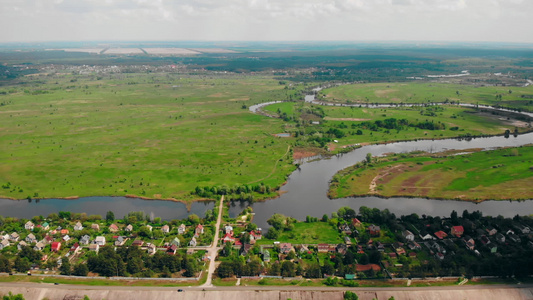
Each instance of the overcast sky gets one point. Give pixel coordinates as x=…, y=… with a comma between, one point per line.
x=264, y=20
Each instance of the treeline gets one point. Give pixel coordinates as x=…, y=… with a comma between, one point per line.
x=132, y=261
x=237, y=192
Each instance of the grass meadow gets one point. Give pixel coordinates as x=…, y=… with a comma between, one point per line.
x=503, y=174
x=417, y=92
x=150, y=135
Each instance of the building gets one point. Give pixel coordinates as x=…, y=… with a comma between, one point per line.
x=285, y=248
x=192, y=243
x=199, y=229
x=78, y=226
x=56, y=246
x=408, y=235
x=31, y=238
x=113, y=228
x=94, y=247
x=129, y=228
x=440, y=234
x=100, y=240
x=374, y=230
x=165, y=229
x=95, y=227
x=181, y=229
x=29, y=225
x=457, y=231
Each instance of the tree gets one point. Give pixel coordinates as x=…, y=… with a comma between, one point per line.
x=5, y=266
x=225, y=270
x=369, y=158
x=350, y=296
x=81, y=270
x=110, y=216
x=22, y=264
x=10, y=296
x=65, y=268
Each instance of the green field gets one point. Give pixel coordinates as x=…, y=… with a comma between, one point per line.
x=489, y=175
x=307, y=233
x=150, y=135
x=416, y=92
x=457, y=121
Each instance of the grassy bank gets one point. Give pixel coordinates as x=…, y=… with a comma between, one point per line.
x=489, y=175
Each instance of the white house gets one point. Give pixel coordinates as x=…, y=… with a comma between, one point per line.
x=78, y=226
x=192, y=243
x=100, y=240
x=31, y=238
x=29, y=225
x=181, y=229
x=165, y=229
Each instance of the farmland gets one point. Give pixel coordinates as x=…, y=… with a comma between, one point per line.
x=496, y=175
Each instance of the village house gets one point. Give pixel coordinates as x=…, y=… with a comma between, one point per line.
x=100, y=240
x=192, y=243
x=14, y=237
x=45, y=226
x=356, y=222
x=137, y=243
x=56, y=246
x=29, y=225
x=199, y=230
x=113, y=228
x=341, y=248
x=176, y=242
x=39, y=246
x=172, y=249
x=31, y=238
x=285, y=248
x=66, y=238
x=120, y=240
x=151, y=248
x=75, y=248
x=491, y=230
x=48, y=239
x=347, y=240
x=95, y=227
x=426, y=237
x=323, y=248
x=85, y=240
x=228, y=237
x=181, y=229
x=228, y=229
x=457, y=231
x=128, y=228
x=149, y=227
x=469, y=242
x=345, y=228
x=266, y=255
x=4, y=243
x=78, y=226
x=500, y=238
x=374, y=230
x=440, y=234
x=64, y=232
x=94, y=247
x=21, y=244
x=408, y=235
x=522, y=229
x=165, y=229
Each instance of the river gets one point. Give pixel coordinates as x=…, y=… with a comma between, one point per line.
x=305, y=191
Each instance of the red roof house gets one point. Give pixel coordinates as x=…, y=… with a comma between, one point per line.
x=56, y=246
x=440, y=234
x=458, y=231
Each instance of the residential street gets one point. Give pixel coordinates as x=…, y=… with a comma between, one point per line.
x=212, y=251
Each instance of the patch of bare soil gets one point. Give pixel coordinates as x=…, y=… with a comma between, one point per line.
x=389, y=171
x=345, y=119
x=299, y=154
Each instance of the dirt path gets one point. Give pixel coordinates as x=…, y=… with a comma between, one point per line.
x=373, y=184
x=275, y=166
x=213, y=249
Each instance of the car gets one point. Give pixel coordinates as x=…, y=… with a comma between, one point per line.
x=55, y=283
x=180, y=290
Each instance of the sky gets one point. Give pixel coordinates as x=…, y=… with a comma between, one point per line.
x=266, y=20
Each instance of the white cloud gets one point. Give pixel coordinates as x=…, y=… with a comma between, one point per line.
x=27, y=20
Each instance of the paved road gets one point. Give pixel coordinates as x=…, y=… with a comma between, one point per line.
x=213, y=249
